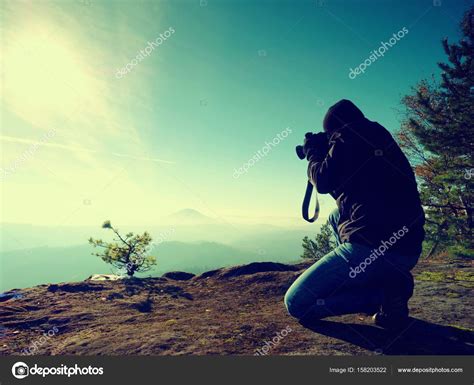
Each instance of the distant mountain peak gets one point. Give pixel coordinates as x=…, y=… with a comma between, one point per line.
x=190, y=215
x=188, y=211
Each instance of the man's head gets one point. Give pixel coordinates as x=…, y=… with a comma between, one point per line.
x=340, y=114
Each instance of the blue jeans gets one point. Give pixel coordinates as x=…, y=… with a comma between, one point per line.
x=350, y=279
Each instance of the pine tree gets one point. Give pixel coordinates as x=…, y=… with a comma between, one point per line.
x=438, y=136
x=322, y=244
x=128, y=252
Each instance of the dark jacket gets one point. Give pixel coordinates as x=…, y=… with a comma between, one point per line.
x=371, y=180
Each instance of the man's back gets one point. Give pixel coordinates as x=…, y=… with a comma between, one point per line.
x=378, y=188
x=374, y=186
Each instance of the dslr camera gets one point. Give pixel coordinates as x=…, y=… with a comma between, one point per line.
x=313, y=142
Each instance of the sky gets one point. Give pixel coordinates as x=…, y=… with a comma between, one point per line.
x=90, y=131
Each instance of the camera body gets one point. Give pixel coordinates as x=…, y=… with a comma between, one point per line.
x=317, y=142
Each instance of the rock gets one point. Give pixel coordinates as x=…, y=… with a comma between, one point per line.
x=256, y=267
x=104, y=277
x=178, y=275
x=10, y=295
x=252, y=268
x=208, y=274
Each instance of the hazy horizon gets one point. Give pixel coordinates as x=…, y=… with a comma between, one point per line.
x=186, y=241
x=276, y=220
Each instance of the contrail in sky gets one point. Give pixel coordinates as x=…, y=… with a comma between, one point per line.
x=79, y=149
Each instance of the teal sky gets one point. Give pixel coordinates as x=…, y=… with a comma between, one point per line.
x=233, y=75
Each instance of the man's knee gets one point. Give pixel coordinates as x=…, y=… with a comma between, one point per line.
x=297, y=303
x=291, y=305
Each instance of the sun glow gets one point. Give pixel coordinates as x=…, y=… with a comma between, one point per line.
x=44, y=78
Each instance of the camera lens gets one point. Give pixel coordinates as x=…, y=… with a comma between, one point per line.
x=300, y=152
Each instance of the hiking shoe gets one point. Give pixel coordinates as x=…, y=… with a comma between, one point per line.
x=393, y=313
x=390, y=321
x=398, y=289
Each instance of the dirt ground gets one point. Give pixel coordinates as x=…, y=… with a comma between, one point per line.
x=229, y=311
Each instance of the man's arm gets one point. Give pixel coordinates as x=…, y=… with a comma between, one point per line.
x=325, y=170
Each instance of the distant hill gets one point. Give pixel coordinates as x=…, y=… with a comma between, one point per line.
x=29, y=267
x=186, y=225
x=198, y=256
x=17, y=236
x=187, y=240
